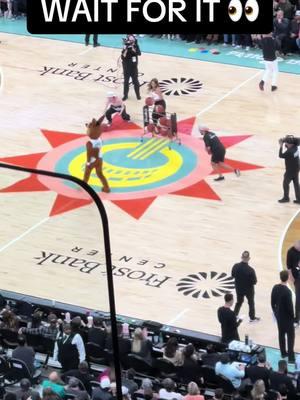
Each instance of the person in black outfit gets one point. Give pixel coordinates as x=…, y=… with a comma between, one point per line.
x=228, y=320
x=291, y=158
x=245, y=279
x=82, y=373
x=293, y=266
x=259, y=371
x=211, y=357
x=282, y=306
x=217, y=150
x=97, y=333
x=268, y=46
x=124, y=343
x=95, y=39
x=129, y=56
x=280, y=378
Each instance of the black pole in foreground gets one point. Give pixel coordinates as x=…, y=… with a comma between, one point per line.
x=107, y=248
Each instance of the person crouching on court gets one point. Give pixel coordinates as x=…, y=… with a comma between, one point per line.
x=94, y=153
x=217, y=150
x=115, y=105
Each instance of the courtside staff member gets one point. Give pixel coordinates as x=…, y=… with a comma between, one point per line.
x=282, y=306
x=291, y=158
x=229, y=322
x=245, y=280
x=293, y=265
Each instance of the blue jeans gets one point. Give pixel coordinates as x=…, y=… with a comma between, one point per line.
x=226, y=38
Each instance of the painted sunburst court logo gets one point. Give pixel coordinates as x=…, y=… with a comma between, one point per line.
x=137, y=172
x=205, y=285
x=180, y=86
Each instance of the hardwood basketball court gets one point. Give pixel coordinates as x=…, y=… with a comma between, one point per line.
x=173, y=243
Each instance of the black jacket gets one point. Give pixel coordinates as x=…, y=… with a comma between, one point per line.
x=291, y=158
x=245, y=277
x=130, y=55
x=282, y=305
x=229, y=324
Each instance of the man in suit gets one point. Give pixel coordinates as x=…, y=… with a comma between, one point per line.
x=293, y=266
x=282, y=306
x=245, y=279
x=228, y=320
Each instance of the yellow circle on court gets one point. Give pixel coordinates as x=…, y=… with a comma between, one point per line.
x=122, y=177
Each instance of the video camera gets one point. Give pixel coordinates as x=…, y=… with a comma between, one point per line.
x=290, y=139
x=128, y=43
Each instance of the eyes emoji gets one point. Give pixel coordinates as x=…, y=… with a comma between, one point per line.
x=235, y=10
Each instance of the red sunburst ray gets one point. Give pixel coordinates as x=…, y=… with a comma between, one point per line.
x=199, y=190
x=242, y=166
x=63, y=204
x=27, y=160
x=56, y=139
x=186, y=126
x=25, y=185
x=229, y=141
x=135, y=208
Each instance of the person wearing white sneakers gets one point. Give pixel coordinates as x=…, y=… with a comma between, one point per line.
x=268, y=45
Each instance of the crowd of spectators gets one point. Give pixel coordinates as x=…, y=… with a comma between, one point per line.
x=12, y=9
x=77, y=379
x=286, y=31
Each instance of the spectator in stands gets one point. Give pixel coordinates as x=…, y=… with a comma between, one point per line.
x=128, y=381
x=69, y=347
x=168, y=390
x=55, y=383
x=97, y=333
x=141, y=346
x=124, y=343
x=9, y=320
x=281, y=378
x=228, y=320
x=229, y=39
x=259, y=390
x=211, y=357
x=24, y=353
x=172, y=353
x=219, y=394
x=49, y=331
x=193, y=392
x=260, y=371
x=10, y=396
x=233, y=372
x=26, y=390
x=146, y=389
x=190, y=369
x=103, y=392
x=294, y=40
x=82, y=373
x=281, y=29
x=286, y=7
x=74, y=389
x=49, y=394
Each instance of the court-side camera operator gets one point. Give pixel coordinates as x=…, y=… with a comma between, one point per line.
x=129, y=56
x=291, y=158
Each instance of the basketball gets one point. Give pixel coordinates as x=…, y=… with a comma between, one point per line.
x=164, y=121
x=150, y=128
x=164, y=131
x=159, y=109
x=149, y=101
